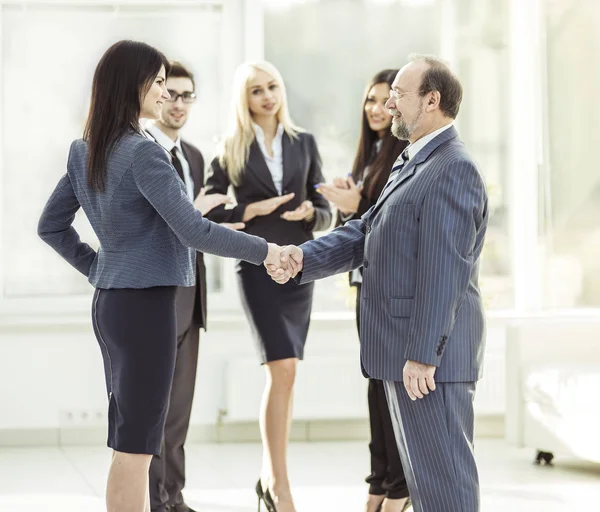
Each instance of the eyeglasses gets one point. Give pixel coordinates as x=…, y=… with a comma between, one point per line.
x=398, y=95
x=186, y=97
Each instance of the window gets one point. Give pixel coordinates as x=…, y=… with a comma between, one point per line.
x=45, y=84
x=327, y=52
x=326, y=67
x=571, y=187
x=481, y=62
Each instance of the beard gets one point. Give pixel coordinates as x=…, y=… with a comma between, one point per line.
x=403, y=130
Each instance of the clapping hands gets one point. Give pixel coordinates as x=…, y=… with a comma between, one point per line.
x=344, y=194
x=284, y=263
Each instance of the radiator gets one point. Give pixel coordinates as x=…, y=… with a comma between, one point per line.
x=327, y=387
x=332, y=387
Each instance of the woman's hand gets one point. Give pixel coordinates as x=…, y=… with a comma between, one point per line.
x=306, y=211
x=346, y=200
x=265, y=207
x=205, y=203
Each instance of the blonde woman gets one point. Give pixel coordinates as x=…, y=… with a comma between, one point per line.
x=273, y=166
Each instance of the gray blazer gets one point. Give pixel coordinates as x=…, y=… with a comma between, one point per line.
x=420, y=246
x=145, y=222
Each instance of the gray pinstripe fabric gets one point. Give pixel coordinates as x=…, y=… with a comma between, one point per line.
x=147, y=226
x=435, y=442
x=420, y=246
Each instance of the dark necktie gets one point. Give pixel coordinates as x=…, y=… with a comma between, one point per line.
x=177, y=163
x=399, y=164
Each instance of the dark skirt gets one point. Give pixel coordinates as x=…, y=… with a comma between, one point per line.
x=279, y=315
x=136, y=331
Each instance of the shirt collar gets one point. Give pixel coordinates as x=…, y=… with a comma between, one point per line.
x=418, y=145
x=163, y=139
x=260, y=134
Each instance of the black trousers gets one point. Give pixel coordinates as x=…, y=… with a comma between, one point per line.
x=167, y=470
x=387, y=476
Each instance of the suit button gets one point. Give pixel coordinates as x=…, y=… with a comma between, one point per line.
x=368, y=228
x=365, y=264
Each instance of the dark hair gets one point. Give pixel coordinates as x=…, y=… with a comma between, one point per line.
x=439, y=77
x=122, y=79
x=380, y=165
x=178, y=70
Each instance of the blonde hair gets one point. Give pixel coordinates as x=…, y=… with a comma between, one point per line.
x=234, y=150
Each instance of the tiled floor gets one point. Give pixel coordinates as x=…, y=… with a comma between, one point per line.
x=327, y=477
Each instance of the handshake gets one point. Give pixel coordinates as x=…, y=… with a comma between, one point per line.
x=283, y=263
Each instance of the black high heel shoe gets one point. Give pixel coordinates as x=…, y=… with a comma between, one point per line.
x=265, y=497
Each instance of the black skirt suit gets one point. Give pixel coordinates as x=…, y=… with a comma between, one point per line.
x=279, y=315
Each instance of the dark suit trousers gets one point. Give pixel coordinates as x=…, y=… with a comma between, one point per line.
x=435, y=439
x=387, y=476
x=167, y=470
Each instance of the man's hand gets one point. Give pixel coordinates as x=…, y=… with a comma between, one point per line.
x=236, y=226
x=265, y=207
x=418, y=379
x=206, y=203
x=306, y=211
x=291, y=261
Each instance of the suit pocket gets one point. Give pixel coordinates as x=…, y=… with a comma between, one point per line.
x=401, y=307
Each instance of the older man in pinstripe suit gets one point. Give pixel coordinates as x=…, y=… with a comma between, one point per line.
x=422, y=319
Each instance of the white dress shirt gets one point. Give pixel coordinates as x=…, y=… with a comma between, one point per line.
x=412, y=150
x=275, y=162
x=418, y=145
x=166, y=142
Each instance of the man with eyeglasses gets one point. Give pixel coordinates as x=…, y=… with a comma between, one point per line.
x=422, y=324
x=167, y=470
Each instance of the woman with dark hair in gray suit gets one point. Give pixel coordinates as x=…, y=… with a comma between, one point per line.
x=377, y=151
x=149, y=232
x=274, y=167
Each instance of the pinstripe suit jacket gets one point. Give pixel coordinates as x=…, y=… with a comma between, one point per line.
x=144, y=220
x=420, y=247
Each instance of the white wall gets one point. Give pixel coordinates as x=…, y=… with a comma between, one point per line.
x=52, y=379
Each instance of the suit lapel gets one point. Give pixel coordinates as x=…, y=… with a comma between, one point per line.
x=289, y=150
x=256, y=163
x=407, y=172
x=195, y=169
x=411, y=167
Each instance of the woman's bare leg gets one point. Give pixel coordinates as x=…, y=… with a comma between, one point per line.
x=275, y=425
x=127, y=486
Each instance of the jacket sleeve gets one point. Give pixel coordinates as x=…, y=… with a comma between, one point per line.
x=158, y=182
x=450, y=217
x=218, y=182
x=322, y=219
x=55, y=227
x=341, y=250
